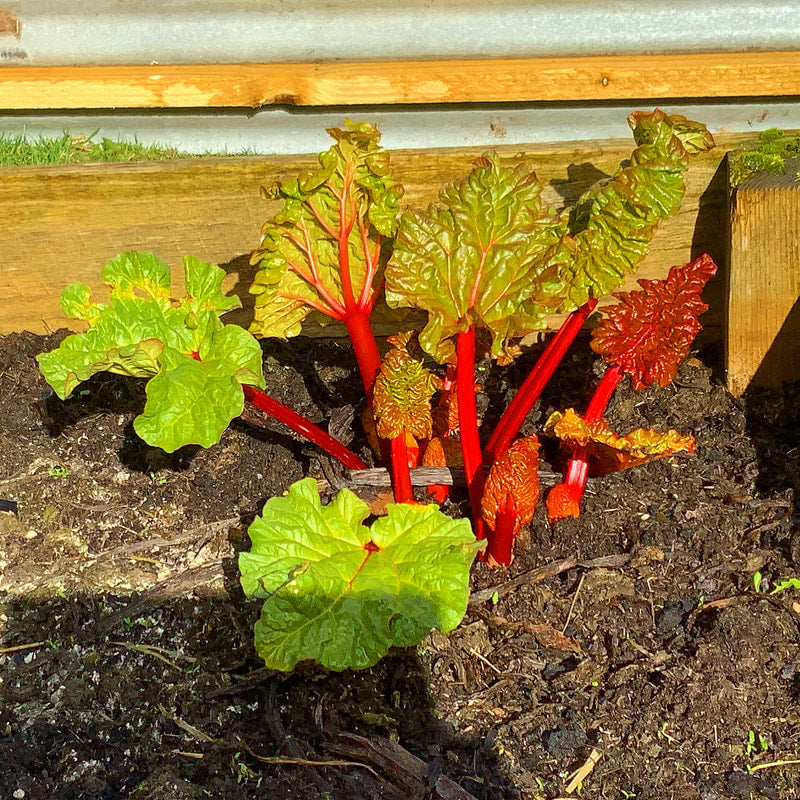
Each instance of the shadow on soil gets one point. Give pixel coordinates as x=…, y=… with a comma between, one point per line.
x=152, y=697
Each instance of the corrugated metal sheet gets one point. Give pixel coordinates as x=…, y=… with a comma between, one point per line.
x=48, y=32
x=293, y=131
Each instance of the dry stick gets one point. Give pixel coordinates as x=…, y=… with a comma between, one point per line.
x=187, y=727
x=157, y=652
x=775, y=764
x=308, y=762
x=17, y=647
x=583, y=773
x=548, y=571
x=424, y=476
x=574, y=600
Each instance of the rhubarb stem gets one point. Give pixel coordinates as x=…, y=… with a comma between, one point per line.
x=369, y=364
x=299, y=424
x=577, y=470
x=512, y=419
x=401, y=475
x=603, y=394
x=365, y=348
x=499, y=551
x=468, y=425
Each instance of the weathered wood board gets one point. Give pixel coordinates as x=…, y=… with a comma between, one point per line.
x=762, y=340
x=331, y=83
x=62, y=224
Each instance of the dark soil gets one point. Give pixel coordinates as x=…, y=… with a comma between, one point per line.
x=644, y=648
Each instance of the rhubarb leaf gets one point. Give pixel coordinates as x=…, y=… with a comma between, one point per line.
x=325, y=249
x=479, y=259
x=610, y=452
x=513, y=484
x=614, y=223
x=649, y=332
x=196, y=363
x=341, y=593
x=403, y=392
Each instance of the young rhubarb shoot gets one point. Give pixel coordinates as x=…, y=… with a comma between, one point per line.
x=402, y=402
x=199, y=369
x=341, y=593
x=645, y=335
x=510, y=497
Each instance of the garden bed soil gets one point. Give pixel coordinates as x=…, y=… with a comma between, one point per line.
x=631, y=642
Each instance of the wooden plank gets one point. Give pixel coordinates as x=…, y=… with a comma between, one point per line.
x=763, y=326
x=62, y=224
x=550, y=79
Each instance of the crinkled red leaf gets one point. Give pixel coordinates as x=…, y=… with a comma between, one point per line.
x=649, y=332
x=513, y=483
x=563, y=501
x=611, y=452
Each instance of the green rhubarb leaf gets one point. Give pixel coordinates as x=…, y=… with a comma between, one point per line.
x=76, y=301
x=614, y=223
x=325, y=249
x=341, y=593
x=197, y=364
x=204, y=287
x=481, y=258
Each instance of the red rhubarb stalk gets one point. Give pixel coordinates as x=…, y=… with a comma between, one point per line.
x=526, y=396
x=365, y=348
x=501, y=542
x=577, y=470
x=401, y=476
x=468, y=425
x=299, y=424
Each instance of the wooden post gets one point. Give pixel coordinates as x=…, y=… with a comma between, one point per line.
x=763, y=320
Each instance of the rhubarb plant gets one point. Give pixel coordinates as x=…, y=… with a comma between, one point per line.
x=488, y=263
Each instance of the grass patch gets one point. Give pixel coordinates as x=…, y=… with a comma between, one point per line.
x=17, y=151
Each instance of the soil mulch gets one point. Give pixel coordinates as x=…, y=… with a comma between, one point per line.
x=631, y=643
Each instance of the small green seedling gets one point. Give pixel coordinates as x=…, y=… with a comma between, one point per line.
x=756, y=743
x=789, y=583
x=58, y=472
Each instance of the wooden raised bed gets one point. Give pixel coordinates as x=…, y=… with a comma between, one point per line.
x=62, y=224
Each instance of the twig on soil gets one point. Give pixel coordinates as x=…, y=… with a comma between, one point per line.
x=186, y=754
x=583, y=772
x=474, y=652
x=572, y=604
x=409, y=775
x=782, y=763
x=548, y=571
x=17, y=647
x=309, y=762
x=187, y=727
x=156, y=652
x=126, y=549
x=425, y=476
